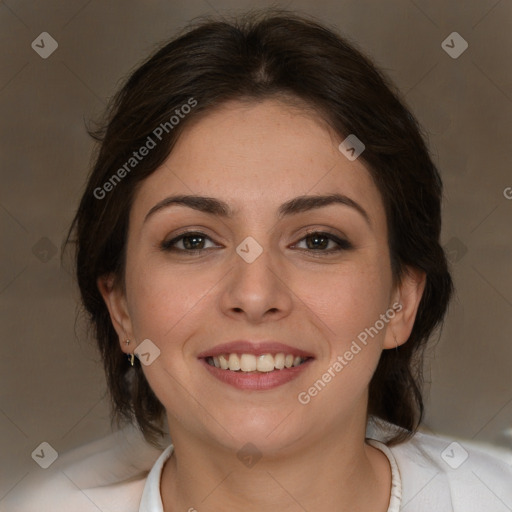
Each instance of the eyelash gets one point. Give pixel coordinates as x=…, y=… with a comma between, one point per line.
x=343, y=245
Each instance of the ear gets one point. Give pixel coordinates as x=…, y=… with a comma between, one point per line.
x=407, y=299
x=115, y=299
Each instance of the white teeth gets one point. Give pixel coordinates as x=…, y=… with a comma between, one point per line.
x=265, y=363
x=234, y=362
x=279, y=361
x=250, y=363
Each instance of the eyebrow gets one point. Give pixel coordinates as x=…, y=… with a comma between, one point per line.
x=294, y=206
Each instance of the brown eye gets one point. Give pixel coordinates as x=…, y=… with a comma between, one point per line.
x=318, y=241
x=191, y=241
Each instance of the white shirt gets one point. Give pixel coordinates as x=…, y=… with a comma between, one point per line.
x=121, y=473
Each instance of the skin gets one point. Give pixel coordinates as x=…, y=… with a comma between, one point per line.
x=255, y=156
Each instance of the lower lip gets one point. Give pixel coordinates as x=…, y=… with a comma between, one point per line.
x=257, y=381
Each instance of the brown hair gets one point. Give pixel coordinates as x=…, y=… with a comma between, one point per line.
x=254, y=57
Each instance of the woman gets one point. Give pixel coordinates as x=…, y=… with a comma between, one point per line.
x=258, y=250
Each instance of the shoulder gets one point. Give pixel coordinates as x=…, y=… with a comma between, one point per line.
x=453, y=475
x=107, y=474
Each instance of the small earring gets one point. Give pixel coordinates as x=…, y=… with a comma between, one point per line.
x=127, y=342
x=131, y=358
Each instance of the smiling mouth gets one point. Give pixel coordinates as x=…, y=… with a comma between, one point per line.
x=250, y=363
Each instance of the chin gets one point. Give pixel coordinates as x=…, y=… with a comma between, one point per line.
x=269, y=432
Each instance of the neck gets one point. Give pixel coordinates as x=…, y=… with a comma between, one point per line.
x=335, y=473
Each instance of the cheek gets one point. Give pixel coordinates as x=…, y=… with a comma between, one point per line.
x=160, y=299
x=167, y=308
x=349, y=302
x=347, y=299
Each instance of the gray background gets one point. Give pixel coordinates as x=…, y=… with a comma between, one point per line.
x=52, y=383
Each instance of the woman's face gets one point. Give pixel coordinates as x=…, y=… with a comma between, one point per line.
x=255, y=274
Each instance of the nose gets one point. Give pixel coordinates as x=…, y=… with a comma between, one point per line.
x=257, y=291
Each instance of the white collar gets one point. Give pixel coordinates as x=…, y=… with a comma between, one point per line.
x=151, y=500
x=396, y=481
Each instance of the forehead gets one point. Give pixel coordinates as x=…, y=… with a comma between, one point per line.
x=255, y=156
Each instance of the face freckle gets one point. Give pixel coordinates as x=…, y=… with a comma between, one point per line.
x=259, y=276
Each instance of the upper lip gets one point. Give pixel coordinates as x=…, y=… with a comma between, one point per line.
x=255, y=348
